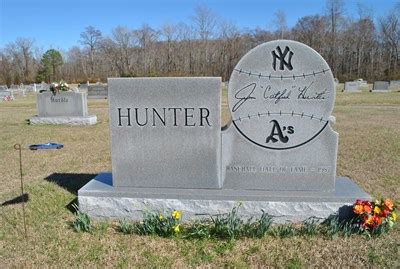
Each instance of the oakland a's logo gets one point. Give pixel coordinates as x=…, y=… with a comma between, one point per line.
x=277, y=133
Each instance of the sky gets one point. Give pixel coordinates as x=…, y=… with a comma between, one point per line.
x=58, y=23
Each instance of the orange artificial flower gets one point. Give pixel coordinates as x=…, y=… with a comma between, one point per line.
x=377, y=220
x=358, y=209
x=367, y=208
x=389, y=204
x=369, y=220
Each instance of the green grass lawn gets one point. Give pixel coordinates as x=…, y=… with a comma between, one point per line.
x=369, y=153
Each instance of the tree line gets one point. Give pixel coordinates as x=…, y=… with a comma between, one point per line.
x=363, y=47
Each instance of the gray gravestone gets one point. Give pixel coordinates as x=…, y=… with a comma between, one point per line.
x=281, y=138
x=62, y=108
x=6, y=95
x=362, y=83
x=394, y=85
x=83, y=86
x=381, y=86
x=43, y=87
x=351, y=86
x=278, y=155
x=61, y=104
x=97, y=91
x=165, y=132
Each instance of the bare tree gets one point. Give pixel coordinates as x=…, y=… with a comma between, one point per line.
x=20, y=54
x=204, y=21
x=334, y=12
x=390, y=31
x=280, y=23
x=311, y=30
x=91, y=38
x=124, y=40
x=170, y=34
x=146, y=37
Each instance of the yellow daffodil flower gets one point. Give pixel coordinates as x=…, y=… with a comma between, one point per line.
x=176, y=229
x=176, y=214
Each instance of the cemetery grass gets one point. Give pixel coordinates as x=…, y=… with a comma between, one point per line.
x=369, y=153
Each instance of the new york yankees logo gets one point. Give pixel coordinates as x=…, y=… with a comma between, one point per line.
x=281, y=56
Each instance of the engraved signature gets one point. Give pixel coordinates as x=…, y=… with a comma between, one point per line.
x=317, y=96
x=249, y=91
x=277, y=95
x=243, y=95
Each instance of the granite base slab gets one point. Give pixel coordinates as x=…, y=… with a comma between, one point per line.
x=100, y=200
x=88, y=120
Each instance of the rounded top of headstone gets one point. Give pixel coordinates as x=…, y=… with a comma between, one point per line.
x=281, y=94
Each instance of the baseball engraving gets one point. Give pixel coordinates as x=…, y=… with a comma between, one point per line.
x=281, y=94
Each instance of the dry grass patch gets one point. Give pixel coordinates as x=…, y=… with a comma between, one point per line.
x=369, y=152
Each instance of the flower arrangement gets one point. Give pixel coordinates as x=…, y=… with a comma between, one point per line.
x=59, y=87
x=374, y=217
x=8, y=98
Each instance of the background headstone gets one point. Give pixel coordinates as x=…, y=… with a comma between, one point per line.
x=165, y=132
x=361, y=82
x=44, y=86
x=62, y=104
x=281, y=96
x=66, y=108
x=6, y=95
x=352, y=86
x=83, y=86
x=97, y=91
x=394, y=85
x=381, y=86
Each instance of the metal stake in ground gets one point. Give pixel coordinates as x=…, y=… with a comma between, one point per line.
x=18, y=147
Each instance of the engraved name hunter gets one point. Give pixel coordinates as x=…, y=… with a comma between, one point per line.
x=165, y=116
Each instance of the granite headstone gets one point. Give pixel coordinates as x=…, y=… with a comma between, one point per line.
x=394, y=85
x=281, y=96
x=381, y=86
x=172, y=121
x=62, y=108
x=351, y=86
x=278, y=155
x=97, y=91
x=362, y=82
x=6, y=95
x=61, y=104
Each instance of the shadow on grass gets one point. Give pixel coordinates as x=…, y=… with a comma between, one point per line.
x=17, y=200
x=70, y=182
